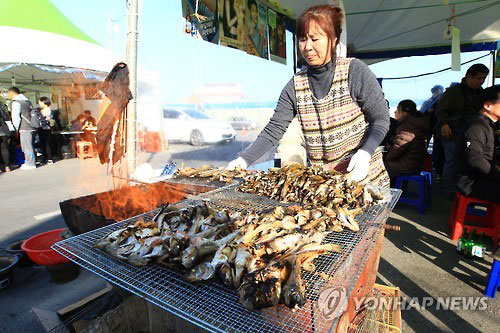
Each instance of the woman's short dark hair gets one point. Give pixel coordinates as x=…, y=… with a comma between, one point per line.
x=408, y=106
x=251, y=3
x=327, y=17
x=45, y=100
x=490, y=94
x=15, y=90
x=477, y=68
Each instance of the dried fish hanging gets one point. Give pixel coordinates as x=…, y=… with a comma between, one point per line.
x=110, y=134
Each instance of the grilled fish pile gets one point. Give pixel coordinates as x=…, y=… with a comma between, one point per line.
x=312, y=187
x=259, y=255
x=213, y=174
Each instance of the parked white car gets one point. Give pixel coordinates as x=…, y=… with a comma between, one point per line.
x=195, y=127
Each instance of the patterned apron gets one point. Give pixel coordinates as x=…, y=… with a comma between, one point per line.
x=334, y=126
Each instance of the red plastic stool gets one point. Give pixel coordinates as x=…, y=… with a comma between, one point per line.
x=84, y=150
x=489, y=224
x=427, y=163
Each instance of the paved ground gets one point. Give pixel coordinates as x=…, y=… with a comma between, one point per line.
x=420, y=259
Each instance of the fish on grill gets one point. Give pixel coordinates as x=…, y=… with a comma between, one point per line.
x=311, y=186
x=260, y=255
x=212, y=174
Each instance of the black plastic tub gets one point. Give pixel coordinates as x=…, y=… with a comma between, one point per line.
x=7, y=264
x=15, y=249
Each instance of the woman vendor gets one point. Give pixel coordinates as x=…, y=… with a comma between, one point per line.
x=338, y=101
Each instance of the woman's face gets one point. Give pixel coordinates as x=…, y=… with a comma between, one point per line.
x=41, y=105
x=253, y=13
x=315, y=47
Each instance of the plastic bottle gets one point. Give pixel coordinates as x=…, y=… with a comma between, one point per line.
x=479, y=247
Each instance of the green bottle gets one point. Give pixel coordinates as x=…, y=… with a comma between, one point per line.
x=469, y=243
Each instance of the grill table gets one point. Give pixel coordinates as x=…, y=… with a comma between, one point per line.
x=214, y=307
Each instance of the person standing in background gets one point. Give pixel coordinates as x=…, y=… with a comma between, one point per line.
x=90, y=119
x=5, y=134
x=429, y=108
x=456, y=108
x=437, y=92
x=45, y=131
x=21, y=116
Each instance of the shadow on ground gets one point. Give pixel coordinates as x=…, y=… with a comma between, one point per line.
x=32, y=287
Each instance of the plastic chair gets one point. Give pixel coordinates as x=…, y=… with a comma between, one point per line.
x=423, y=197
x=489, y=223
x=84, y=150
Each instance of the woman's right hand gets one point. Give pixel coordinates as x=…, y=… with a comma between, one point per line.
x=237, y=163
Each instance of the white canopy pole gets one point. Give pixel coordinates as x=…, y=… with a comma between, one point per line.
x=132, y=36
x=342, y=45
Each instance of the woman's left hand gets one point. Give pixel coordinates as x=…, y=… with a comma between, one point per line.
x=359, y=165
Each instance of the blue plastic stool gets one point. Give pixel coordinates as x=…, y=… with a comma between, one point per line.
x=493, y=280
x=19, y=156
x=422, y=198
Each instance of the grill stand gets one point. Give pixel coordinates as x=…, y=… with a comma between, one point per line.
x=364, y=286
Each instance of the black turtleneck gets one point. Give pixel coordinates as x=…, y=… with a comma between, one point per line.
x=364, y=89
x=321, y=79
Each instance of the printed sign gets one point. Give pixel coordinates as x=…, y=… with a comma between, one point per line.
x=256, y=42
x=201, y=22
x=277, y=36
x=232, y=23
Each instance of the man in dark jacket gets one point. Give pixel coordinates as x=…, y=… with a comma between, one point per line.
x=407, y=155
x=456, y=108
x=478, y=174
x=5, y=133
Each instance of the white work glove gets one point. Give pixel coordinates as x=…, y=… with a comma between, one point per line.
x=359, y=165
x=239, y=162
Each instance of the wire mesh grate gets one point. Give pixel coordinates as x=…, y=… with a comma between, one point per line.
x=214, y=307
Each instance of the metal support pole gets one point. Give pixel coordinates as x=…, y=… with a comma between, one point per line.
x=132, y=36
x=491, y=80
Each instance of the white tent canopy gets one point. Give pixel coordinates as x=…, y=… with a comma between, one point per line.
x=39, y=56
x=379, y=29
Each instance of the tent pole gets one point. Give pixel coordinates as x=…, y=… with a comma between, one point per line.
x=132, y=36
x=294, y=37
x=492, y=68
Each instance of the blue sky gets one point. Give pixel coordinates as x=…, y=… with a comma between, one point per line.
x=184, y=63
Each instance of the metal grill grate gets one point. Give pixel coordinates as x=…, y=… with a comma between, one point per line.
x=215, y=307
x=227, y=198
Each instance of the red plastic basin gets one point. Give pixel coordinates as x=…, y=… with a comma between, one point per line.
x=38, y=248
